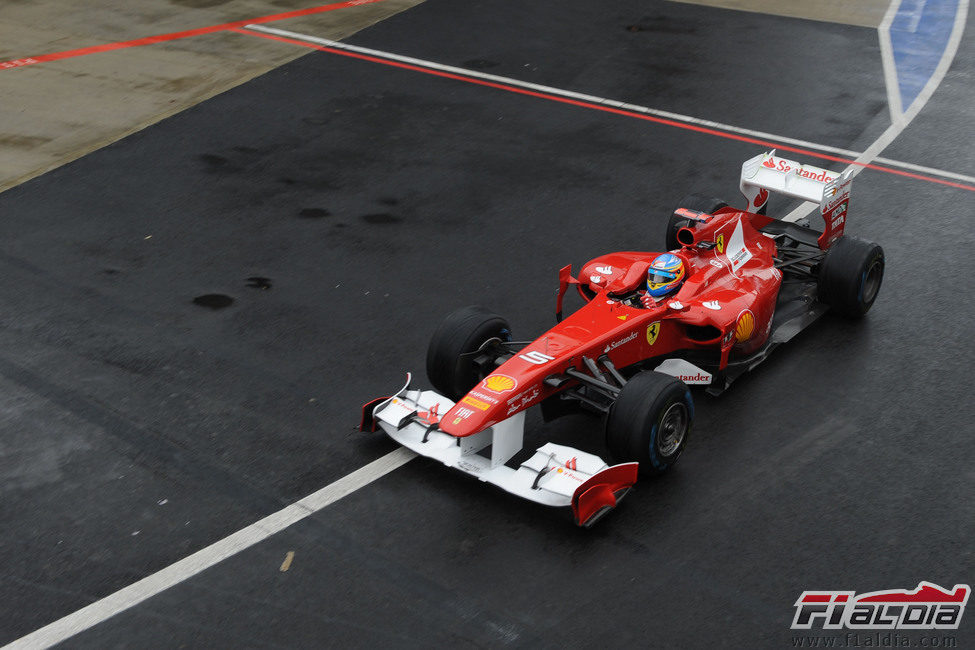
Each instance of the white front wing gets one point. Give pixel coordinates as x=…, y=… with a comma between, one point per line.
x=550, y=477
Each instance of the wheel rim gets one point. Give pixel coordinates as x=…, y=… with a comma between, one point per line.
x=871, y=282
x=673, y=428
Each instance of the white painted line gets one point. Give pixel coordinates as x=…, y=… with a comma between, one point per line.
x=174, y=574
x=925, y=170
x=602, y=101
x=899, y=123
x=916, y=16
x=890, y=68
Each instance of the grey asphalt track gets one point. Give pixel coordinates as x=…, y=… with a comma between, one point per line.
x=345, y=207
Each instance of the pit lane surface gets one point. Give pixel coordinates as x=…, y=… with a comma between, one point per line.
x=142, y=427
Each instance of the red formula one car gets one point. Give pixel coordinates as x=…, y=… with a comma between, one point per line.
x=751, y=282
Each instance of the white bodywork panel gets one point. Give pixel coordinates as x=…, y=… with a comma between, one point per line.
x=550, y=477
x=686, y=371
x=736, y=250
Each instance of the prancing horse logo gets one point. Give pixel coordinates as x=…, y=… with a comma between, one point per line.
x=652, y=331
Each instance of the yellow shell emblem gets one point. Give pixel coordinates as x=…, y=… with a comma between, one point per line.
x=653, y=331
x=745, y=327
x=500, y=383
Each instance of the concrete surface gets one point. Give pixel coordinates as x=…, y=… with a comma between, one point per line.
x=56, y=112
x=865, y=13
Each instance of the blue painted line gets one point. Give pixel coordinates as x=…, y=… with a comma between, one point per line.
x=918, y=37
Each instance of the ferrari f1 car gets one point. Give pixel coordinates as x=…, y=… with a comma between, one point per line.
x=752, y=283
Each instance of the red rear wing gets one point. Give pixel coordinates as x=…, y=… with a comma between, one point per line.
x=831, y=190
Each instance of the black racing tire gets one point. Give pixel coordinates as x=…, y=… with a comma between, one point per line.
x=461, y=332
x=650, y=422
x=697, y=202
x=850, y=276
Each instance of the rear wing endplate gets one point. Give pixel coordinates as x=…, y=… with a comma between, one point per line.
x=831, y=190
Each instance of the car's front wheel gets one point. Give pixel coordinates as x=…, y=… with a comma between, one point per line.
x=451, y=364
x=650, y=421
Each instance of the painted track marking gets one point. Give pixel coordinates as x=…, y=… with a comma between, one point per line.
x=918, y=31
x=890, y=67
x=173, y=36
x=899, y=122
x=101, y=610
x=768, y=140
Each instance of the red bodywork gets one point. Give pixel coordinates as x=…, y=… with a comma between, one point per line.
x=725, y=305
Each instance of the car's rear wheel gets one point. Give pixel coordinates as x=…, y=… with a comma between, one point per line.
x=850, y=276
x=451, y=366
x=691, y=202
x=650, y=421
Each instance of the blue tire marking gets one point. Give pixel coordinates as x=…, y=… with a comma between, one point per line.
x=653, y=447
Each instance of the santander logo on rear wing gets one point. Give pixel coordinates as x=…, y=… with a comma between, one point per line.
x=831, y=190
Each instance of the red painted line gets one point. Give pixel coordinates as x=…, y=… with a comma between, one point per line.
x=608, y=109
x=161, y=38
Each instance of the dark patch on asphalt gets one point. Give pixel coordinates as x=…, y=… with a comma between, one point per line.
x=389, y=200
x=381, y=218
x=480, y=64
x=258, y=282
x=665, y=69
x=314, y=213
x=213, y=300
x=660, y=25
x=216, y=163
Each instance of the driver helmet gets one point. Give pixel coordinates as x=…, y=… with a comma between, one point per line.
x=665, y=275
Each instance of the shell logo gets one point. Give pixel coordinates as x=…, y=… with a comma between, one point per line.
x=500, y=383
x=745, y=327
